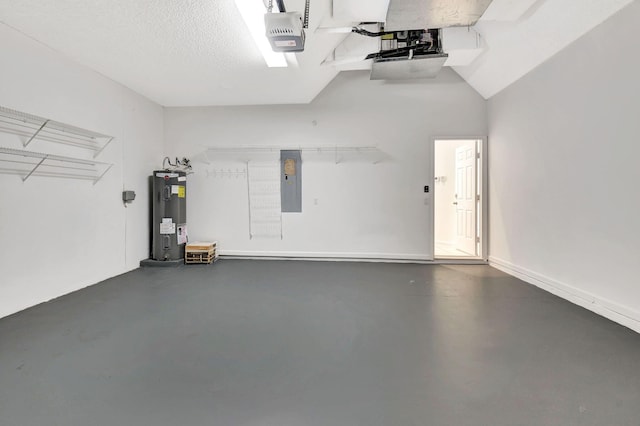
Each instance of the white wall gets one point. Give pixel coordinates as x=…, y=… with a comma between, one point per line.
x=363, y=210
x=59, y=235
x=564, y=175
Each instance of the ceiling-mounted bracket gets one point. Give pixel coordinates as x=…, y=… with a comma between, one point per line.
x=434, y=13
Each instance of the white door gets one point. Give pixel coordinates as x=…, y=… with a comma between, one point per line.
x=465, y=199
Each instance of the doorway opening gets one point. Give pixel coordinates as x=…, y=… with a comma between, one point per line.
x=458, y=199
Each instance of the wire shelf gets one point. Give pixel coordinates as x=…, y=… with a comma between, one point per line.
x=332, y=153
x=29, y=163
x=31, y=127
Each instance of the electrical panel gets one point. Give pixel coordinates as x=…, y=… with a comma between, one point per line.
x=291, y=181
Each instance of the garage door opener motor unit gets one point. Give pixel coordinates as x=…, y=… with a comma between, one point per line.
x=285, y=30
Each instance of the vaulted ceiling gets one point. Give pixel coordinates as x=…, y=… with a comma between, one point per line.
x=200, y=52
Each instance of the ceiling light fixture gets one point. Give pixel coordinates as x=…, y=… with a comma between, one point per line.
x=252, y=12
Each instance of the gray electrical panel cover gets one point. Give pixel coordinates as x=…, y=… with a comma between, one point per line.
x=169, y=227
x=291, y=181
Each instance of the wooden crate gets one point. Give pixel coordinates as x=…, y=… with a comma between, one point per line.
x=201, y=252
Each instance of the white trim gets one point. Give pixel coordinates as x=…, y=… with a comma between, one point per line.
x=451, y=261
x=483, y=189
x=620, y=314
x=329, y=255
x=327, y=259
x=484, y=198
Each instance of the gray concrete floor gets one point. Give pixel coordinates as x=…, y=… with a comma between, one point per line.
x=286, y=343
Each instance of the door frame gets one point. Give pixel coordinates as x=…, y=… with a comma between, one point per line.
x=483, y=187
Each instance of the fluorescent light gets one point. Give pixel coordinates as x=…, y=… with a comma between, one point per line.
x=252, y=12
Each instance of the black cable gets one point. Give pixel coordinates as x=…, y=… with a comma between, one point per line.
x=419, y=50
x=281, y=6
x=367, y=33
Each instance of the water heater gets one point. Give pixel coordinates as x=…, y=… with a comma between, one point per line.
x=169, y=227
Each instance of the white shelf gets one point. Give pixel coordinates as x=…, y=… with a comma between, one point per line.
x=27, y=163
x=326, y=153
x=31, y=127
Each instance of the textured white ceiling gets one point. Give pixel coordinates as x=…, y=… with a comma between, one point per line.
x=177, y=52
x=199, y=52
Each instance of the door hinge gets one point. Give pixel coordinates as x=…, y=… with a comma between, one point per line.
x=477, y=197
x=478, y=155
x=477, y=239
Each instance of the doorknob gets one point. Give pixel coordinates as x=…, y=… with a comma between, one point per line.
x=455, y=203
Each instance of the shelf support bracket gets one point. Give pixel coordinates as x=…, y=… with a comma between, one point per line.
x=34, y=169
x=35, y=134
x=103, y=173
x=103, y=147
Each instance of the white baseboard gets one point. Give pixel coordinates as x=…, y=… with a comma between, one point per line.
x=360, y=257
x=615, y=312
